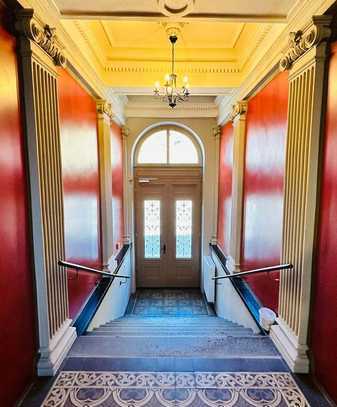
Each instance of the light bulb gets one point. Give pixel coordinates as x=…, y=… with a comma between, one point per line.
x=167, y=77
x=157, y=85
x=185, y=79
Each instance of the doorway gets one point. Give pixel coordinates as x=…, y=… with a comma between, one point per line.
x=168, y=226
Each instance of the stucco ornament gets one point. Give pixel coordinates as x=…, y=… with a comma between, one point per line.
x=301, y=42
x=43, y=35
x=176, y=8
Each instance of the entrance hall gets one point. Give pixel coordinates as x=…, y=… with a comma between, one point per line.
x=168, y=203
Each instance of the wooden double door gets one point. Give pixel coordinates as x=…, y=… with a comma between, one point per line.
x=168, y=226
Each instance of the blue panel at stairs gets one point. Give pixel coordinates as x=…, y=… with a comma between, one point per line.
x=242, y=288
x=83, y=320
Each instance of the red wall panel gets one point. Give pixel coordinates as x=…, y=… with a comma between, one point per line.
x=263, y=185
x=17, y=320
x=225, y=187
x=81, y=185
x=117, y=186
x=324, y=334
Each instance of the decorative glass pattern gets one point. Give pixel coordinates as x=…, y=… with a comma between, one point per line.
x=152, y=229
x=184, y=229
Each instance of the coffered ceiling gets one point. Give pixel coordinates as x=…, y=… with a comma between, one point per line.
x=219, y=42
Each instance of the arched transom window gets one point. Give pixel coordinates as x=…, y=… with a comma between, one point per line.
x=168, y=146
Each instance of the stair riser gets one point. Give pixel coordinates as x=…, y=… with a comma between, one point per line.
x=172, y=331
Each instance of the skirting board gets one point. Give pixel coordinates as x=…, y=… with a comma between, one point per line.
x=52, y=357
x=293, y=353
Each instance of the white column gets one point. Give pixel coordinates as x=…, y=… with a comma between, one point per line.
x=39, y=54
x=238, y=118
x=104, y=116
x=305, y=59
x=216, y=135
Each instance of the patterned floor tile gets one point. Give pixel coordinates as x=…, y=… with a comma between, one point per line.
x=170, y=302
x=137, y=389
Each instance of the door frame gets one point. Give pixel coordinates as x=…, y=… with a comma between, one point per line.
x=183, y=174
x=207, y=141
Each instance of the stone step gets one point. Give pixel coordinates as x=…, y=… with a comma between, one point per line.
x=146, y=332
x=172, y=327
x=168, y=329
x=158, y=334
x=171, y=322
x=175, y=346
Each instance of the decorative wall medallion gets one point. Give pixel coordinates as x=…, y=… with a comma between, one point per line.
x=43, y=35
x=176, y=8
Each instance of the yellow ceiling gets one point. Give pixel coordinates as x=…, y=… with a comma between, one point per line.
x=137, y=53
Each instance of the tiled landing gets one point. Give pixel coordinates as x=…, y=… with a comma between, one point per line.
x=153, y=302
x=200, y=389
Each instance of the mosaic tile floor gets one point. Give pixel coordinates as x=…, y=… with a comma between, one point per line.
x=169, y=302
x=133, y=389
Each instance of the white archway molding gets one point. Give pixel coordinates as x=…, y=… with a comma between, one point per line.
x=201, y=132
x=153, y=126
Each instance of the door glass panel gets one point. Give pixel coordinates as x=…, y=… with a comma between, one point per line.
x=152, y=229
x=181, y=149
x=154, y=149
x=184, y=229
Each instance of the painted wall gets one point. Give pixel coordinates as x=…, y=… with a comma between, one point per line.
x=81, y=185
x=263, y=185
x=225, y=187
x=17, y=311
x=324, y=334
x=117, y=186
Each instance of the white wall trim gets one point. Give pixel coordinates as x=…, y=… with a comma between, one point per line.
x=286, y=342
x=51, y=357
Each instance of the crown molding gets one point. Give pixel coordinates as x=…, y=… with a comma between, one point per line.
x=77, y=63
x=118, y=104
x=200, y=67
x=196, y=91
x=161, y=110
x=268, y=66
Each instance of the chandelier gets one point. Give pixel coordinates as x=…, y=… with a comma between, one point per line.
x=170, y=92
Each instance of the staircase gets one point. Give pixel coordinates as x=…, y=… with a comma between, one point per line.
x=199, y=337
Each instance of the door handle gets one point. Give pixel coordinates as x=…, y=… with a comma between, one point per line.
x=164, y=248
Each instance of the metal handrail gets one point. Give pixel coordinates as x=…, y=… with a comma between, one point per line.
x=89, y=269
x=286, y=266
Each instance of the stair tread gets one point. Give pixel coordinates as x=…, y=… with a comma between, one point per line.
x=243, y=345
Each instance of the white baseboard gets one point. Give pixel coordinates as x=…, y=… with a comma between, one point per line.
x=52, y=357
x=287, y=344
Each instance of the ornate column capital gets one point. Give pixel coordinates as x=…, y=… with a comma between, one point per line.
x=239, y=109
x=216, y=131
x=316, y=31
x=30, y=26
x=125, y=132
x=104, y=108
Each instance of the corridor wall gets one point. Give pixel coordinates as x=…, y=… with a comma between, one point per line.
x=81, y=185
x=117, y=187
x=225, y=187
x=17, y=333
x=263, y=185
x=324, y=333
